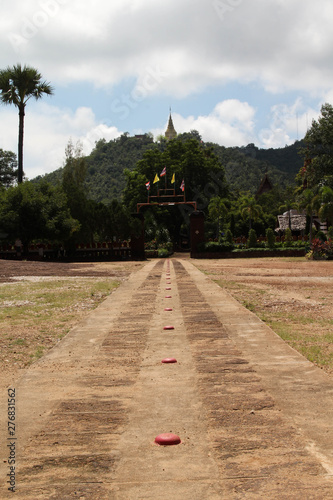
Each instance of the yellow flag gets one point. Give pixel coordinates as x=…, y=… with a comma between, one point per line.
x=173, y=180
x=156, y=179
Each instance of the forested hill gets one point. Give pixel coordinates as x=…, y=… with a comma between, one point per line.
x=106, y=164
x=244, y=166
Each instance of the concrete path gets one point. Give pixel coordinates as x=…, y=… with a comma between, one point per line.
x=254, y=417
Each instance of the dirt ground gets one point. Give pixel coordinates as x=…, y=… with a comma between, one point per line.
x=293, y=295
x=10, y=270
x=247, y=408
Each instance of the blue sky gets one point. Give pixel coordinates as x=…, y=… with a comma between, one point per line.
x=238, y=71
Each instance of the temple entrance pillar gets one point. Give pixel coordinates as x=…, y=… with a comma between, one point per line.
x=138, y=238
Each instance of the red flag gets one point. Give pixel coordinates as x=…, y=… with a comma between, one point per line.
x=163, y=172
x=148, y=185
x=182, y=186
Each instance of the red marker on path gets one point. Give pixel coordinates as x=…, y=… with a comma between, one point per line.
x=169, y=327
x=167, y=439
x=169, y=360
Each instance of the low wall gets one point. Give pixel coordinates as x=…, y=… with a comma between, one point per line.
x=249, y=254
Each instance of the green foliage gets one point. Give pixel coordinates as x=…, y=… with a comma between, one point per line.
x=228, y=236
x=214, y=246
x=73, y=178
x=8, y=168
x=188, y=160
x=318, y=154
x=36, y=212
x=245, y=166
x=217, y=211
x=288, y=237
x=163, y=252
x=320, y=235
x=321, y=250
x=110, y=163
x=270, y=237
x=249, y=208
x=252, y=240
x=326, y=204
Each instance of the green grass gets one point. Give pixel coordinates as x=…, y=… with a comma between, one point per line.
x=38, y=302
x=20, y=342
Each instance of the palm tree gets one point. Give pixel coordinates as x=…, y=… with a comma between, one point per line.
x=217, y=210
x=326, y=209
x=17, y=85
x=310, y=202
x=250, y=208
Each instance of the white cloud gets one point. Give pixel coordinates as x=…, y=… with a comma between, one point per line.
x=174, y=49
x=47, y=132
x=230, y=124
x=282, y=45
x=287, y=122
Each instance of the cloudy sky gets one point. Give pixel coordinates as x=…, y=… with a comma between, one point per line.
x=238, y=71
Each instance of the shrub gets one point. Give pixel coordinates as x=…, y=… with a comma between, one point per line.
x=321, y=250
x=321, y=236
x=163, y=252
x=252, y=240
x=213, y=246
x=270, y=237
x=228, y=236
x=288, y=237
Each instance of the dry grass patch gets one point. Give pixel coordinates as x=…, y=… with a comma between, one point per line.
x=293, y=296
x=35, y=315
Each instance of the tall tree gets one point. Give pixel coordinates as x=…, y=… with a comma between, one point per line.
x=310, y=202
x=217, y=211
x=318, y=154
x=203, y=174
x=249, y=208
x=73, y=184
x=8, y=168
x=326, y=208
x=17, y=85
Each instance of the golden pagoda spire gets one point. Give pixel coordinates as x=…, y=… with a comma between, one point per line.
x=170, y=132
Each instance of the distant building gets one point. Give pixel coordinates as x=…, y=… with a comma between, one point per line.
x=293, y=219
x=296, y=221
x=170, y=132
x=265, y=186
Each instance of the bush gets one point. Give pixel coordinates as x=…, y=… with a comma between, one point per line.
x=213, y=246
x=228, y=236
x=321, y=236
x=288, y=237
x=321, y=250
x=270, y=238
x=163, y=252
x=252, y=240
